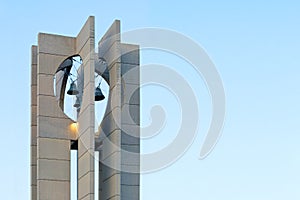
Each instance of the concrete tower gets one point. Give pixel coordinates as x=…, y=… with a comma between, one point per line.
x=53, y=133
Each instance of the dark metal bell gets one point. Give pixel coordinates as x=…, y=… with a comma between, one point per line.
x=98, y=94
x=77, y=103
x=73, y=89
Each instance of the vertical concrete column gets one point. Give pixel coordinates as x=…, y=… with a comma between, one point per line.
x=130, y=122
x=53, y=126
x=33, y=143
x=120, y=178
x=109, y=49
x=85, y=44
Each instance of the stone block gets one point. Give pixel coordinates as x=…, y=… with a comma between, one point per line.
x=130, y=73
x=86, y=119
x=85, y=164
x=33, y=74
x=115, y=98
x=53, y=190
x=33, y=115
x=130, y=179
x=54, y=149
x=113, y=160
x=108, y=172
x=58, y=170
x=131, y=94
x=88, y=99
x=115, y=75
x=33, y=154
x=130, y=192
x=130, y=54
x=48, y=106
x=111, y=122
x=48, y=64
x=86, y=185
x=33, y=135
x=130, y=134
x=33, y=95
x=111, y=187
x=56, y=44
x=131, y=168
x=131, y=148
x=82, y=148
x=45, y=85
x=86, y=142
x=130, y=158
x=33, y=174
x=130, y=114
x=114, y=137
x=89, y=81
x=111, y=144
x=59, y=128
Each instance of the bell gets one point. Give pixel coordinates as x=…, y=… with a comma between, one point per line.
x=98, y=94
x=73, y=89
x=77, y=103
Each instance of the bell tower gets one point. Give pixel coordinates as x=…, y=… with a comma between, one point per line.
x=54, y=134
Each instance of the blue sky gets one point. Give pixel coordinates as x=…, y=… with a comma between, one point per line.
x=255, y=47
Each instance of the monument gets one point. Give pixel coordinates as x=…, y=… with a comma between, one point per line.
x=54, y=134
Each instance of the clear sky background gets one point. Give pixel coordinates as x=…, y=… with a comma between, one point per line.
x=255, y=46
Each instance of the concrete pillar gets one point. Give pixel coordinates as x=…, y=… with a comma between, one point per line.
x=85, y=44
x=116, y=180
x=130, y=123
x=33, y=143
x=53, y=126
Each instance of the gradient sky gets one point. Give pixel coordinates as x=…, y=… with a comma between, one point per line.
x=255, y=46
